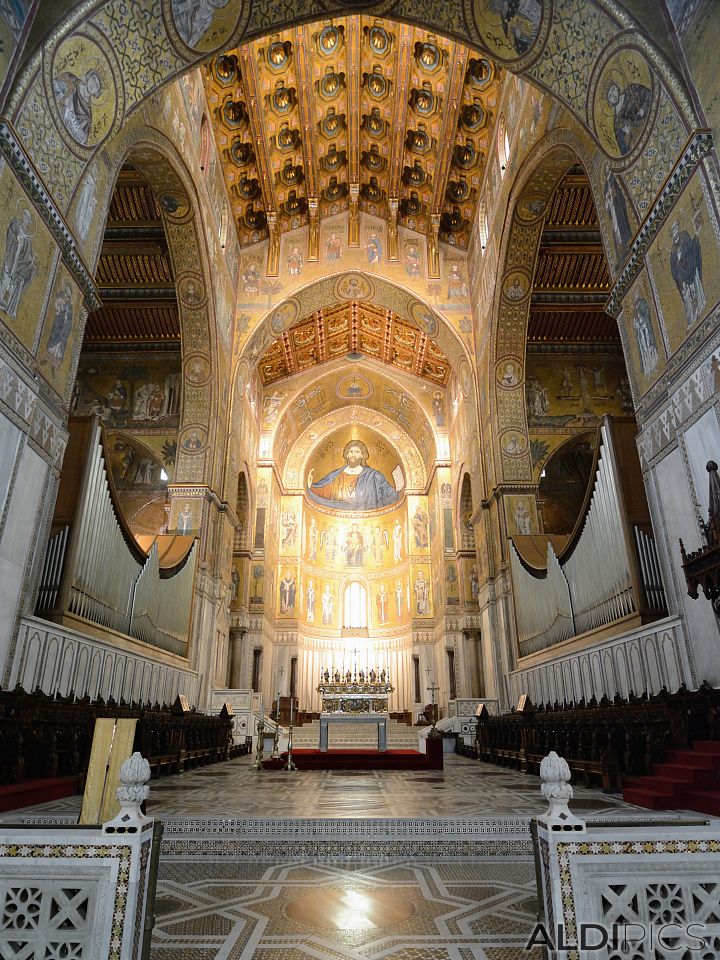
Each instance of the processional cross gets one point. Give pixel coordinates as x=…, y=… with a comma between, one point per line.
x=432, y=690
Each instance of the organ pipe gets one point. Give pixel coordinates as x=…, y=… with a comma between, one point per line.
x=94, y=568
x=609, y=571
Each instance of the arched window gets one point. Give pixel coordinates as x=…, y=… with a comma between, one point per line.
x=483, y=223
x=224, y=217
x=503, y=144
x=204, y=143
x=355, y=606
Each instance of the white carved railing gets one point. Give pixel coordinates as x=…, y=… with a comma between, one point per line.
x=468, y=707
x=613, y=891
x=58, y=660
x=645, y=659
x=72, y=893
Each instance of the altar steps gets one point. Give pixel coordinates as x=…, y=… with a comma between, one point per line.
x=363, y=759
x=356, y=736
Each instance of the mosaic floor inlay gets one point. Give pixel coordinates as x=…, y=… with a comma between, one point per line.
x=482, y=910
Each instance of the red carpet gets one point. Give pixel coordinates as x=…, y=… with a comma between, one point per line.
x=687, y=780
x=364, y=759
x=28, y=792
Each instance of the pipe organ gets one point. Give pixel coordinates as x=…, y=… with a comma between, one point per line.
x=95, y=570
x=608, y=571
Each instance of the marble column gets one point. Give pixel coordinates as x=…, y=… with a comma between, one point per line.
x=235, y=659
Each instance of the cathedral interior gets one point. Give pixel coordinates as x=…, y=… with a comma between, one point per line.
x=359, y=359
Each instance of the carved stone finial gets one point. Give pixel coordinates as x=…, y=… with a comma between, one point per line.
x=555, y=776
x=132, y=792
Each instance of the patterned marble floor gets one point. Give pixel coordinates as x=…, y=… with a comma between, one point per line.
x=308, y=910
x=464, y=788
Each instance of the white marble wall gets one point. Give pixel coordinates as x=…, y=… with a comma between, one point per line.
x=23, y=478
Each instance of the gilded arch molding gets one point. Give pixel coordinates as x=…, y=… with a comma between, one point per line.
x=161, y=165
x=354, y=285
x=541, y=173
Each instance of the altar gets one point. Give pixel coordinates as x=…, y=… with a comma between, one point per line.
x=354, y=698
x=379, y=718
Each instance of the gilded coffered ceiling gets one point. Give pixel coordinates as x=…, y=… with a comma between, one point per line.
x=353, y=113
x=354, y=328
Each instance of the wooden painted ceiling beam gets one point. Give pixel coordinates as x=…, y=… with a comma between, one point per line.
x=256, y=111
x=459, y=58
x=401, y=94
x=128, y=247
x=571, y=249
x=303, y=73
x=137, y=296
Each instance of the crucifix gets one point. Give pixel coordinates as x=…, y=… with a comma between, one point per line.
x=275, y=752
x=432, y=689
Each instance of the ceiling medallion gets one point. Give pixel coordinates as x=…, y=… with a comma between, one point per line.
x=371, y=191
x=376, y=84
x=335, y=191
x=472, y=116
x=480, y=73
x=411, y=206
x=226, y=69
x=334, y=159
x=331, y=84
x=373, y=123
x=373, y=160
x=282, y=99
x=241, y=154
x=330, y=39
x=292, y=174
x=294, y=206
x=452, y=222
x=465, y=155
x=247, y=189
x=286, y=140
x=423, y=100
x=458, y=190
x=379, y=40
x=332, y=124
x=255, y=220
x=278, y=55
x=415, y=176
x=232, y=113
x=419, y=141
x=428, y=56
